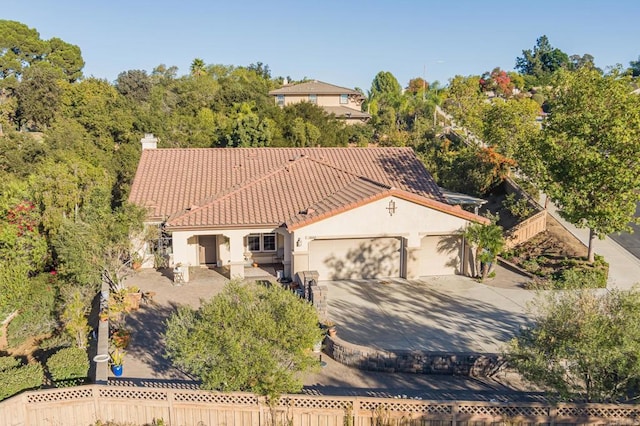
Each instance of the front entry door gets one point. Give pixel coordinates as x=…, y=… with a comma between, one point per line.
x=208, y=252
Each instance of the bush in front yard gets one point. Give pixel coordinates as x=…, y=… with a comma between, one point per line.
x=15, y=377
x=68, y=364
x=36, y=315
x=581, y=277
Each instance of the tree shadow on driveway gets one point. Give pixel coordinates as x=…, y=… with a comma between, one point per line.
x=457, y=316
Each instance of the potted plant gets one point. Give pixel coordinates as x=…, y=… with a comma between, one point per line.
x=117, y=359
x=132, y=297
x=120, y=338
x=136, y=261
x=330, y=326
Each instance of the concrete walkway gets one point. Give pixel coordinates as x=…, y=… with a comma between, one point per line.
x=624, y=268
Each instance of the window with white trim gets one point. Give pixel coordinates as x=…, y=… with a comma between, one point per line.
x=253, y=242
x=344, y=99
x=280, y=99
x=262, y=242
x=269, y=242
x=313, y=99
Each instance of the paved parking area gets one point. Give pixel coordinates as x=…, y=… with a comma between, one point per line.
x=439, y=314
x=452, y=314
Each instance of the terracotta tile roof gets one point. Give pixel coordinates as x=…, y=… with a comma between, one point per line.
x=314, y=87
x=216, y=187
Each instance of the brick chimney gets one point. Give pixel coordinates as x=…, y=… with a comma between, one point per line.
x=149, y=141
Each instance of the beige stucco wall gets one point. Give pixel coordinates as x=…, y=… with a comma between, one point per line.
x=321, y=100
x=232, y=250
x=410, y=221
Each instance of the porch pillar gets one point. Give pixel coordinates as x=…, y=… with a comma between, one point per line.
x=412, y=256
x=183, y=244
x=236, y=254
x=286, y=258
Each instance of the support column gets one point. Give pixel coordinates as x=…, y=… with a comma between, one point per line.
x=412, y=253
x=286, y=259
x=183, y=247
x=236, y=254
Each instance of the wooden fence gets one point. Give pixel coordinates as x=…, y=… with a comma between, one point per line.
x=526, y=229
x=86, y=405
x=530, y=227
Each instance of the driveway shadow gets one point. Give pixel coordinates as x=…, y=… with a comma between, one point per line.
x=457, y=316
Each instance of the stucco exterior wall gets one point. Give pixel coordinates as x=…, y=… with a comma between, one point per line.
x=410, y=221
x=231, y=247
x=321, y=100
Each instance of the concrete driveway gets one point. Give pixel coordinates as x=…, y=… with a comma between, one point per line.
x=452, y=314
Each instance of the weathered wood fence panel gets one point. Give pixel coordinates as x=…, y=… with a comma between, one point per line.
x=530, y=227
x=85, y=405
x=526, y=229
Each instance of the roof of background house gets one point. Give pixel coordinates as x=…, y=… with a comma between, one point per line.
x=343, y=111
x=216, y=187
x=314, y=87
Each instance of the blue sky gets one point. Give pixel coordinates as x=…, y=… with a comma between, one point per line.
x=343, y=42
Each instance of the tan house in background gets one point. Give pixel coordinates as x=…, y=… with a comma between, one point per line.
x=344, y=103
x=348, y=213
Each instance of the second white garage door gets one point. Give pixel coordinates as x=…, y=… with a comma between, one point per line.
x=440, y=255
x=358, y=258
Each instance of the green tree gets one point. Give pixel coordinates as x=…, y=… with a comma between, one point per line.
x=19, y=47
x=134, y=84
x=510, y=124
x=465, y=102
x=385, y=88
x=634, y=68
x=39, y=95
x=585, y=60
x=488, y=241
x=541, y=62
x=198, y=68
x=586, y=155
x=248, y=338
x=582, y=345
x=248, y=129
x=67, y=58
x=74, y=315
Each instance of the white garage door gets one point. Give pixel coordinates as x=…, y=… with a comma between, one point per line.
x=360, y=258
x=440, y=255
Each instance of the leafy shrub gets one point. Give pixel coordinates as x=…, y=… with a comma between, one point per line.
x=581, y=277
x=538, y=98
x=57, y=341
x=531, y=265
x=27, y=324
x=519, y=208
x=67, y=364
x=36, y=316
x=528, y=187
x=8, y=362
x=19, y=378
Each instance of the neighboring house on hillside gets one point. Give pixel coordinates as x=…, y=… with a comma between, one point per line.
x=348, y=213
x=344, y=103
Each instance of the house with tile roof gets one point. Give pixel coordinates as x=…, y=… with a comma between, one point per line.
x=348, y=213
x=342, y=102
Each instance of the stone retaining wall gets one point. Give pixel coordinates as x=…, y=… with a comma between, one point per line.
x=406, y=361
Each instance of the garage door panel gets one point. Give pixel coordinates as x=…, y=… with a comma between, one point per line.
x=361, y=258
x=440, y=255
